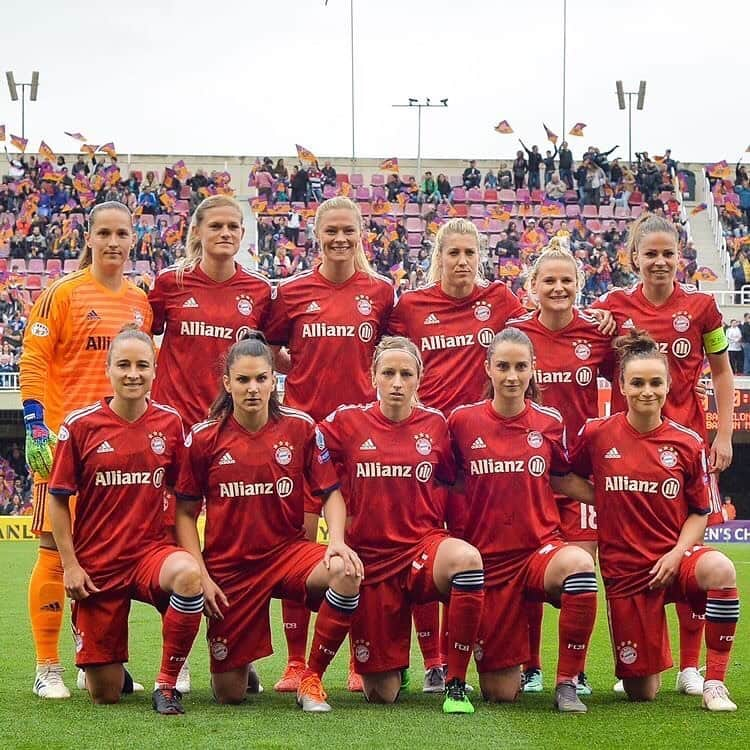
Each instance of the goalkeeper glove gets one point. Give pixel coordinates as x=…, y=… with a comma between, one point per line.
x=40, y=440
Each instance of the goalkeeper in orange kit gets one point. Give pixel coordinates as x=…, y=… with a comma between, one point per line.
x=62, y=368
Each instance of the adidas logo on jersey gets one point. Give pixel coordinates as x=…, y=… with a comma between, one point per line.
x=313, y=307
x=226, y=459
x=431, y=320
x=105, y=447
x=628, y=323
x=190, y=302
x=92, y=315
x=612, y=453
x=368, y=445
x=478, y=443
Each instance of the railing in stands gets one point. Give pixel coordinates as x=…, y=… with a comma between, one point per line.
x=714, y=221
x=9, y=381
x=729, y=297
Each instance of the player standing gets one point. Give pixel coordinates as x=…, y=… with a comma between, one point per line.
x=570, y=353
x=330, y=317
x=651, y=492
x=687, y=325
x=251, y=461
x=392, y=453
x=117, y=455
x=507, y=449
x=62, y=368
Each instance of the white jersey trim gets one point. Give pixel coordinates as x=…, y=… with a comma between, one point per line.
x=523, y=319
x=287, y=411
x=548, y=410
x=430, y=409
x=168, y=408
x=196, y=428
x=82, y=412
x=296, y=277
x=687, y=431
x=467, y=406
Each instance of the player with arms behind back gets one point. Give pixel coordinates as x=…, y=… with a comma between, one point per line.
x=62, y=368
x=330, y=317
x=117, y=455
x=652, y=498
x=687, y=326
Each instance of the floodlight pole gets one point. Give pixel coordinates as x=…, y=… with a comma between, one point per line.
x=621, y=94
x=420, y=105
x=13, y=87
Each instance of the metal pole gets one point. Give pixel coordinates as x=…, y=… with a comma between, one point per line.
x=419, y=143
x=351, y=45
x=565, y=56
x=23, y=110
x=630, y=129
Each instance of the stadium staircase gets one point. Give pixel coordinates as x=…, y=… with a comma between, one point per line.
x=709, y=254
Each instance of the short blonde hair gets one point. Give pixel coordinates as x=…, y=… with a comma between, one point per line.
x=456, y=225
x=342, y=202
x=556, y=249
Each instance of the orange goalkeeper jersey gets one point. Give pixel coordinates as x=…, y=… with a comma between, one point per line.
x=67, y=337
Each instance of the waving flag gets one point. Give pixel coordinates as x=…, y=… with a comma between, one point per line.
x=503, y=127
x=305, y=155
x=113, y=175
x=87, y=198
x=19, y=143
x=577, y=129
x=344, y=189
x=173, y=234
x=181, y=170
x=88, y=148
x=81, y=183
x=682, y=182
x=52, y=176
x=97, y=181
x=258, y=205
x=704, y=273
x=551, y=137
x=389, y=165
x=731, y=209
x=169, y=175
x=168, y=200
x=397, y=271
x=109, y=149
x=698, y=208
x=46, y=152
x=719, y=170
x=2, y=132
x=77, y=136
x=402, y=198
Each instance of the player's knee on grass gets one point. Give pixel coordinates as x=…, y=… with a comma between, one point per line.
x=230, y=688
x=642, y=688
x=346, y=585
x=105, y=683
x=500, y=687
x=463, y=556
x=382, y=688
x=715, y=570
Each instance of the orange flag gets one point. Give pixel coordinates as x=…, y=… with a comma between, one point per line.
x=2, y=132
x=577, y=129
x=77, y=136
x=89, y=149
x=46, y=152
x=551, y=137
x=503, y=127
x=19, y=143
x=109, y=149
x=389, y=165
x=305, y=155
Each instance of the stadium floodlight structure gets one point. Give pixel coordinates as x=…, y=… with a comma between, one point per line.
x=412, y=102
x=621, y=94
x=33, y=86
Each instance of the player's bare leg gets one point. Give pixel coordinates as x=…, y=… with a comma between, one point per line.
x=383, y=687
x=501, y=686
x=105, y=682
x=642, y=688
x=230, y=687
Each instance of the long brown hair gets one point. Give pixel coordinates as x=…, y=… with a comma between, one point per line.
x=512, y=335
x=647, y=223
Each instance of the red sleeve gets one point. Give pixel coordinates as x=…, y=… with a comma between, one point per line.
x=330, y=430
x=265, y=308
x=607, y=366
x=320, y=472
x=601, y=303
x=445, y=471
x=193, y=471
x=559, y=460
x=64, y=478
x=278, y=324
x=697, y=486
x=580, y=461
x=396, y=325
x=712, y=317
x=179, y=453
x=157, y=300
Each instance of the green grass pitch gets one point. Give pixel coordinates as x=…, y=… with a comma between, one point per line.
x=273, y=721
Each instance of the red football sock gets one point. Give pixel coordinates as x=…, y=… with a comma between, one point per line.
x=180, y=625
x=464, y=616
x=691, y=635
x=296, y=618
x=534, y=613
x=577, y=617
x=427, y=624
x=444, y=634
x=331, y=626
x=722, y=613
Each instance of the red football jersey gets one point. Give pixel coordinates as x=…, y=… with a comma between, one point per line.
x=389, y=471
x=681, y=327
x=200, y=319
x=331, y=331
x=510, y=507
x=253, y=483
x=645, y=485
x=118, y=470
x=453, y=336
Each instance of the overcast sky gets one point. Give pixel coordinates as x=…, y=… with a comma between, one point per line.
x=248, y=77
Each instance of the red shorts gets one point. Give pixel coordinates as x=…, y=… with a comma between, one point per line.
x=244, y=635
x=717, y=515
x=638, y=623
x=503, y=638
x=381, y=628
x=577, y=520
x=100, y=622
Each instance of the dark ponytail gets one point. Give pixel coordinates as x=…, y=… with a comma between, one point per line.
x=637, y=344
x=253, y=345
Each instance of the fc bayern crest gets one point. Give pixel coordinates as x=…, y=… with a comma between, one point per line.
x=362, y=651
x=535, y=439
x=283, y=453
x=244, y=305
x=482, y=311
x=364, y=304
x=423, y=444
x=627, y=652
x=582, y=349
x=158, y=443
x=219, y=649
x=681, y=322
x=668, y=457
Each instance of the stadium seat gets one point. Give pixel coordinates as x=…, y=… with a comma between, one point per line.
x=36, y=265
x=477, y=210
x=593, y=225
x=412, y=209
x=490, y=195
x=142, y=267
x=35, y=294
x=185, y=193
x=606, y=212
x=414, y=239
x=636, y=211
x=70, y=265
x=128, y=267
x=622, y=212
x=34, y=281
x=377, y=180
x=459, y=195
x=537, y=196
x=461, y=210
x=342, y=177
x=506, y=195
x=18, y=265
x=378, y=193
x=474, y=195
x=181, y=207
x=362, y=193
x=523, y=195
x=573, y=210
x=365, y=208
x=414, y=224
x=456, y=180
x=357, y=180
x=590, y=212
x=329, y=191
x=3, y=265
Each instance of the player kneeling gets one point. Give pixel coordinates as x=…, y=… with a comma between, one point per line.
x=251, y=462
x=117, y=455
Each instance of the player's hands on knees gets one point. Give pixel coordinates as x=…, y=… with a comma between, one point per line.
x=352, y=564
x=607, y=324
x=666, y=568
x=213, y=597
x=721, y=454
x=700, y=389
x=78, y=585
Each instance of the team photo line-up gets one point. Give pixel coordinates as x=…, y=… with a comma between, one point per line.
x=450, y=438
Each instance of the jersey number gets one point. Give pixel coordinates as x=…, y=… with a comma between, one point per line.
x=588, y=516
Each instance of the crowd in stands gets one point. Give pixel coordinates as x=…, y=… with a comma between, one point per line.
x=15, y=483
x=732, y=200
x=590, y=202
